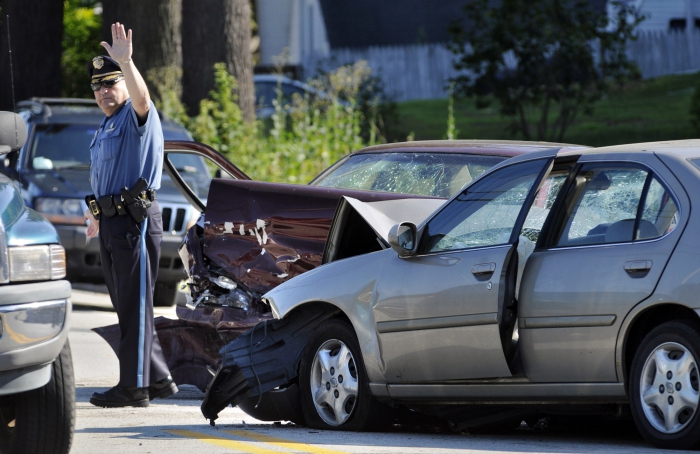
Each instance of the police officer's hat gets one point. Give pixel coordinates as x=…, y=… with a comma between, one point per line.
x=103, y=67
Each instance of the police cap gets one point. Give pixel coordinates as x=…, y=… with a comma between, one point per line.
x=104, y=67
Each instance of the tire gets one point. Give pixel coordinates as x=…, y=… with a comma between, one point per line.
x=663, y=386
x=43, y=418
x=165, y=294
x=346, y=390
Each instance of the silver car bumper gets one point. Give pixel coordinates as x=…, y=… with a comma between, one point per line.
x=33, y=328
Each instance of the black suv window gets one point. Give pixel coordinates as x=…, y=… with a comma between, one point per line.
x=57, y=146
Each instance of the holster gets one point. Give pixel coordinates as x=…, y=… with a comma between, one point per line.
x=135, y=204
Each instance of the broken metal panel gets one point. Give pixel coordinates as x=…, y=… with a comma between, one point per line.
x=262, y=359
x=263, y=234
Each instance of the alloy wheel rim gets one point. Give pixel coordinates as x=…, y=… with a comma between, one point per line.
x=334, y=384
x=669, y=388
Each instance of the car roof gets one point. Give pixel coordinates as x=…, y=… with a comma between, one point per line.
x=274, y=78
x=82, y=111
x=487, y=147
x=684, y=148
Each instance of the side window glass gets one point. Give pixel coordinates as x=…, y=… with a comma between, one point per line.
x=541, y=205
x=660, y=210
x=486, y=212
x=604, y=205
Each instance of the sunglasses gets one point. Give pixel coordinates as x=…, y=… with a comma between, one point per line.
x=106, y=83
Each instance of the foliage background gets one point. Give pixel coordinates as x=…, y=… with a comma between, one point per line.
x=81, y=42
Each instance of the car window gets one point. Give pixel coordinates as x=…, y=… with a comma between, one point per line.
x=431, y=174
x=485, y=213
x=56, y=146
x=660, y=209
x=193, y=170
x=265, y=93
x=542, y=204
x=289, y=90
x=604, y=207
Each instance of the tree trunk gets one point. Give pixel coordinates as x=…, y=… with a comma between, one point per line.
x=204, y=21
x=156, y=28
x=36, y=33
x=202, y=46
x=239, y=59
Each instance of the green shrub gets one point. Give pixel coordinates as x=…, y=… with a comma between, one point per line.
x=304, y=138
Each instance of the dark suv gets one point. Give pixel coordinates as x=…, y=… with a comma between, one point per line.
x=53, y=168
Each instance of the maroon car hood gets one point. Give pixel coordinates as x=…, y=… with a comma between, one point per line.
x=263, y=234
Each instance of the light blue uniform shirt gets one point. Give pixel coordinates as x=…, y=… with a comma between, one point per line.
x=122, y=151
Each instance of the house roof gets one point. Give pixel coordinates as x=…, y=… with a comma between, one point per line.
x=364, y=23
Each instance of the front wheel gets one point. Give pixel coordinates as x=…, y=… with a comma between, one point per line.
x=663, y=386
x=333, y=382
x=41, y=421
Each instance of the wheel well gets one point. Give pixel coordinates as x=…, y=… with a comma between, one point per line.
x=649, y=320
x=325, y=307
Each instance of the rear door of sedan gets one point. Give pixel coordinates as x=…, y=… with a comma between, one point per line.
x=596, y=259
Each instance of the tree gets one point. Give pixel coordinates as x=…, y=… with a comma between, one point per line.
x=239, y=57
x=36, y=29
x=156, y=28
x=537, y=56
x=81, y=42
x=204, y=22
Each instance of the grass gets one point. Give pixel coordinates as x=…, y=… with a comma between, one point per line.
x=644, y=111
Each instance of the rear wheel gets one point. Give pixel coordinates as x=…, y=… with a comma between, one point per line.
x=41, y=421
x=165, y=294
x=663, y=387
x=333, y=382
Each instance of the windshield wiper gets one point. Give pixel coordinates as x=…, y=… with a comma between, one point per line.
x=73, y=167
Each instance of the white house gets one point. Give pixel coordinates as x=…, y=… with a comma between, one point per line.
x=666, y=15
x=293, y=26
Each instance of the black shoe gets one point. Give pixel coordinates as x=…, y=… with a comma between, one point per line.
x=121, y=396
x=162, y=388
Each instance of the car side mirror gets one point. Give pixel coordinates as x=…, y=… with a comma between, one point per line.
x=13, y=132
x=403, y=239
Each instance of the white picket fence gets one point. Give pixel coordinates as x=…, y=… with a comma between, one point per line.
x=424, y=71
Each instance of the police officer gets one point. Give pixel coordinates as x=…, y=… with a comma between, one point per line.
x=127, y=152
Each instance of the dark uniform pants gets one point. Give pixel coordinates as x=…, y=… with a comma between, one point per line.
x=130, y=254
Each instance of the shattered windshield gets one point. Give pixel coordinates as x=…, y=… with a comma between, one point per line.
x=430, y=174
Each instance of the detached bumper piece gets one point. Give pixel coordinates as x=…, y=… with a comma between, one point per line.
x=262, y=359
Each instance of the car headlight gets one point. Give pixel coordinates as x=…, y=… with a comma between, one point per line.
x=61, y=211
x=36, y=263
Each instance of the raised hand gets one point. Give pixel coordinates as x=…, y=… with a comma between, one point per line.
x=120, y=50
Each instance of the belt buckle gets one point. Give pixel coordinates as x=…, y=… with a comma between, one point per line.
x=94, y=208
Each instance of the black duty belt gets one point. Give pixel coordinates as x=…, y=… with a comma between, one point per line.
x=113, y=205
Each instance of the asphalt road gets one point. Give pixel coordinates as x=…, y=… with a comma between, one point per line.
x=176, y=425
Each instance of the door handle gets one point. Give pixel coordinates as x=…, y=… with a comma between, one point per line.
x=484, y=268
x=636, y=266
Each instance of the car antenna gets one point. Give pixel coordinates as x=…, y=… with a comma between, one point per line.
x=12, y=79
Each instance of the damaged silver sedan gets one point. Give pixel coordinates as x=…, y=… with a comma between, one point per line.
x=253, y=236
x=560, y=281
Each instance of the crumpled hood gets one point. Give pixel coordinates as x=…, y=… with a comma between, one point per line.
x=382, y=216
x=263, y=234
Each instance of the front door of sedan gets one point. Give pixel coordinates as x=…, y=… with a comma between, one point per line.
x=444, y=313
x=603, y=253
